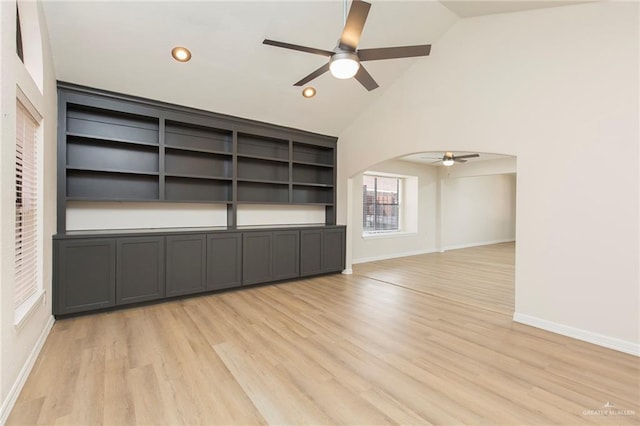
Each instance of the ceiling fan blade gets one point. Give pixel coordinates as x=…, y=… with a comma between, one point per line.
x=434, y=162
x=457, y=157
x=355, y=23
x=365, y=79
x=315, y=74
x=297, y=47
x=394, y=52
x=456, y=160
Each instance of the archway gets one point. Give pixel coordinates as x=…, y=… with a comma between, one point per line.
x=456, y=227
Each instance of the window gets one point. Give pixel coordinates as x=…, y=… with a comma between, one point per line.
x=19, y=48
x=381, y=204
x=26, y=226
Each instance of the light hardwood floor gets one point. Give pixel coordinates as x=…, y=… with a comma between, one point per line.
x=331, y=350
x=480, y=276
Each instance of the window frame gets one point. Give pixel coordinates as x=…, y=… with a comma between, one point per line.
x=400, y=189
x=23, y=311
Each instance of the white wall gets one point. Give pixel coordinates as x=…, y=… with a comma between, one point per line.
x=478, y=210
x=85, y=215
x=20, y=345
x=558, y=88
x=259, y=214
x=422, y=240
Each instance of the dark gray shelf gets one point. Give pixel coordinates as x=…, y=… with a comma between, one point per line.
x=115, y=147
x=263, y=170
x=129, y=172
x=275, y=182
x=312, y=174
x=309, y=163
x=312, y=194
x=263, y=192
x=197, y=189
x=115, y=125
x=262, y=157
x=206, y=151
x=263, y=147
x=121, y=186
x=198, y=138
x=188, y=162
x=312, y=154
x=73, y=135
x=107, y=155
x=321, y=185
x=192, y=176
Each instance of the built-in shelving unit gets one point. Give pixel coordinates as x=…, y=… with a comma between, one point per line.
x=119, y=148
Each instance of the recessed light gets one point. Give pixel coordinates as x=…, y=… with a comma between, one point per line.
x=181, y=54
x=309, y=92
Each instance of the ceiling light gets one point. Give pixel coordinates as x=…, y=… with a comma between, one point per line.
x=447, y=159
x=344, y=65
x=181, y=54
x=309, y=92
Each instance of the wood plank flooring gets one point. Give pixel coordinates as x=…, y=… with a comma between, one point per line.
x=481, y=276
x=330, y=350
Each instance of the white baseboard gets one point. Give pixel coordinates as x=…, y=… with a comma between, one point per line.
x=10, y=400
x=392, y=256
x=577, y=333
x=348, y=271
x=478, y=244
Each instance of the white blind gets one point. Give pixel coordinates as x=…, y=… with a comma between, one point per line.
x=26, y=261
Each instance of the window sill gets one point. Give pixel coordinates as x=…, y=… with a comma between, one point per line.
x=24, y=311
x=400, y=234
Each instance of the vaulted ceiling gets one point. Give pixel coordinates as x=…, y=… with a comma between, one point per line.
x=125, y=47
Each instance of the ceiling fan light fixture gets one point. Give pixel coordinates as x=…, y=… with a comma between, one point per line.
x=447, y=159
x=309, y=92
x=181, y=54
x=344, y=65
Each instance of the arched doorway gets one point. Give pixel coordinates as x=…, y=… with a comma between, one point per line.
x=454, y=233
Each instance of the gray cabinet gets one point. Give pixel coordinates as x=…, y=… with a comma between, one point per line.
x=286, y=254
x=257, y=257
x=269, y=256
x=310, y=252
x=322, y=250
x=96, y=271
x=186, y=264
x=85, y=275
x=224, y=260
x=140, y=269
x=333, y=249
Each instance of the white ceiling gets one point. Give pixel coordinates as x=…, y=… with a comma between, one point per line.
x=124, y=46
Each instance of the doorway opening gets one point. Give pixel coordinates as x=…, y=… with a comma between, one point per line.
x=456, y=232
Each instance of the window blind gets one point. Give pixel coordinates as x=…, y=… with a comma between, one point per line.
x=26, y=229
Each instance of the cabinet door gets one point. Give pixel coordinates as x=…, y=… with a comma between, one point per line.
x=85, y=275
x=310, y=252
x=224, y=261
x=333, y=250
x=286, y=249
x=186, y=264
x=140, y=269
x=257, y=257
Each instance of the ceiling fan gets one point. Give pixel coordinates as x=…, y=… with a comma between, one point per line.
x=448, y=159
x=345, y=59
